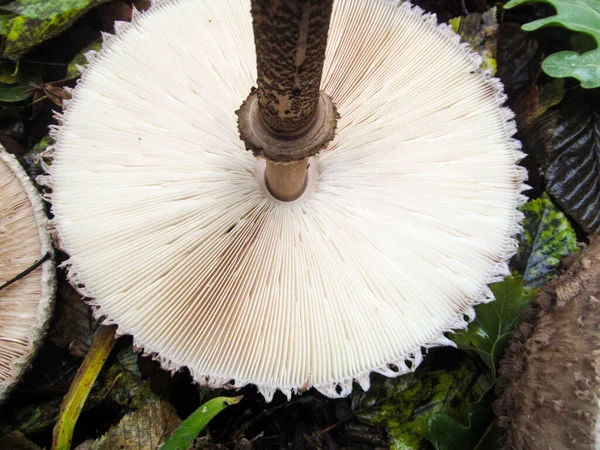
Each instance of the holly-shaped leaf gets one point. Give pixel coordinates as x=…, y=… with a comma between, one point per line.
x=404, y=405
x=547, y=237
x=576, y=15
x=488, y=334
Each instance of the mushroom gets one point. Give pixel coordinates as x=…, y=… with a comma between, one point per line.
x=286, y=272
x=549, y=382
x=27, y=277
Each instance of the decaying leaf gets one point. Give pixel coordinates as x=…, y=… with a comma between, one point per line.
x=74, y=327
x=145, y=428
x=576, y=15
x=547, y=237
x=404, y=405
x=27, y=23
x=536, y=100
x=32, y=162
x=17, y=441
x=56, y=94
x=80, y=60
x=480, y=30
x=123, y=382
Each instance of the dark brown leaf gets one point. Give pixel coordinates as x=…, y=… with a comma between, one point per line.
x=518, y=57
x=565, y=143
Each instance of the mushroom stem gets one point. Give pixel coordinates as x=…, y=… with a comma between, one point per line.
x=286, y=182
x=290, y=38
x=287, y=119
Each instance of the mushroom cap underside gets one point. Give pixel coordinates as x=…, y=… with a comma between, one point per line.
x=26, y=304
x=407, y=216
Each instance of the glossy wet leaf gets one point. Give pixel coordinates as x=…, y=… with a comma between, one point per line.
x=184, y=435
x=145, y=428
x=518, y=56
x=576, y=15
x=566, y=141
x=404, y=405
x=546, y=238
x=487, y=334
x=27, y=23
x=11, y=93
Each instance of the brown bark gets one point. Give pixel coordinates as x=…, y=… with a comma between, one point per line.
x=549, y=382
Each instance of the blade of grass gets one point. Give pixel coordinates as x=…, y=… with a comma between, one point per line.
x=81, y=386
x=183, y=437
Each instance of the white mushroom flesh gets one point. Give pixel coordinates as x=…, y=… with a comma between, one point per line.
x=409, y=213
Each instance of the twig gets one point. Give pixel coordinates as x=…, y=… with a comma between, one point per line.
x=27, y=271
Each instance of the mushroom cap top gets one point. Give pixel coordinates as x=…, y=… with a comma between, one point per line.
x=25, y=305
x=408, y=214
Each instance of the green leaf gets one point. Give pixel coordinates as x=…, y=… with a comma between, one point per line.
x=576, y=15
x=479, y=432
x=80, y=60
x=185, y=434
x=494, y=321
x=11, y=93
x=546, y=238
x=404, y=405
x=32, y=22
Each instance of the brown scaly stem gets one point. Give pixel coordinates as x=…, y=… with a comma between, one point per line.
x=287, y=119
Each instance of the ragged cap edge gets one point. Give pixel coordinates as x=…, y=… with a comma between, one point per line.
x=410, y=361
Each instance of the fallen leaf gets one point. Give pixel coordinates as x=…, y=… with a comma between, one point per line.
x=565, y=143
x=487, y=335
x=80, y=60
x=74, y=326
x=145, y=428
x=31, y=22
x=546, y=238
x=480, y=30
x=404, y=405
